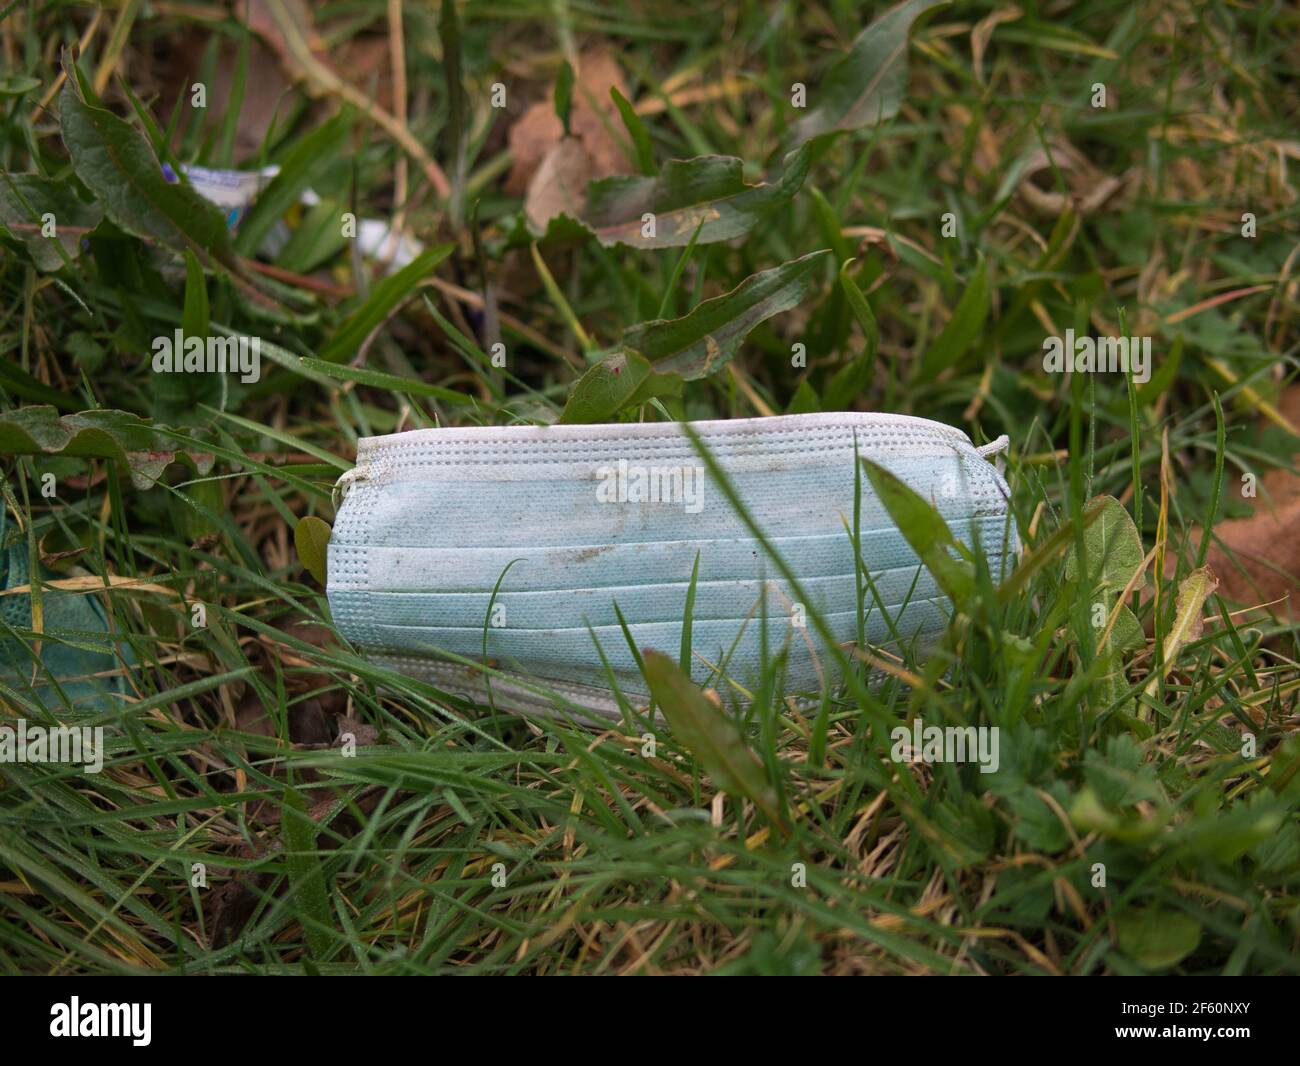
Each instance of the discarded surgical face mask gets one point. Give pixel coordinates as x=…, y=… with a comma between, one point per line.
x=527, y=543
x=234, y=191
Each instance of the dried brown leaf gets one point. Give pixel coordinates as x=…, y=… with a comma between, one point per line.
x=1266, y=545
x=593, y=122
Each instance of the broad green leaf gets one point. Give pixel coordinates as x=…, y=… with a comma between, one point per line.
x=622, y=379
x=1195, y=589
x=963, y=329
x=18, y=85
x=850, y=380
x=656, y=357
x=308, y=157
x=383, y=298
x=708, y=192
x=130, y=441
x=703, y=341
x=1126, y=635
x=925, y=530
x=311, y=537
x=183, y=505
x=1034, y=561
x=1155, y=938
x=709, y=735
x=26, y=200
x=1113, y=548
x=866, y=85
x=119, y=166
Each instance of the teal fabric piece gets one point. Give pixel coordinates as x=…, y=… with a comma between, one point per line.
x=75, y=644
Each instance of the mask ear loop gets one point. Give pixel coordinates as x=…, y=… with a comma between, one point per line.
x=994, y=447
x=339, y=492
x=993, y=451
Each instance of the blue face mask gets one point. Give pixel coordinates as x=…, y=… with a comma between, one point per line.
x=572, y=525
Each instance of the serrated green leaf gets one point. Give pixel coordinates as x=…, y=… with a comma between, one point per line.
x=1036, y=821
x=622, y=379
x=119, y=166
x=703, y=341
x=311, y=538
x=132, y=442
x=707, y=192
x=866, y=85
x=709, y=735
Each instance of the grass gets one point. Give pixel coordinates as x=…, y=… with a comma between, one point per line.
x=462, y=839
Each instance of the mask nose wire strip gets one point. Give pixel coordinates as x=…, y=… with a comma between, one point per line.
x=340, y=491
x=993, y=447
